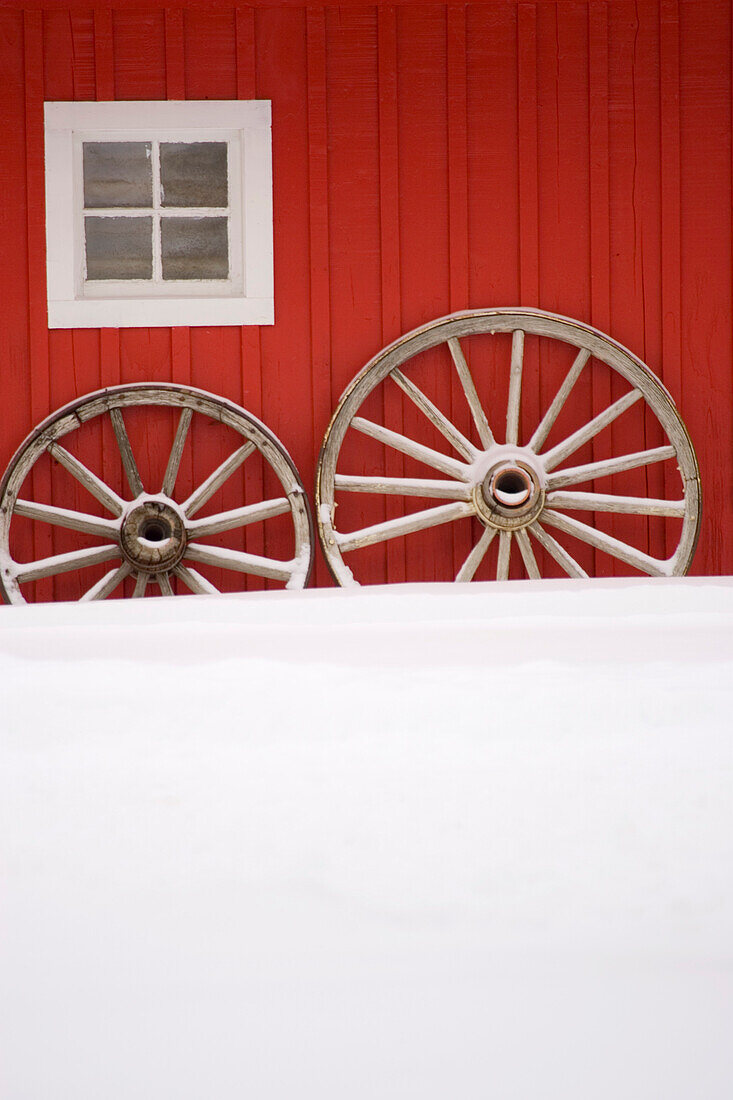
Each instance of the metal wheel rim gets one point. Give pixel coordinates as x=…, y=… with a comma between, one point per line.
x=511, y=320
x=295, y=572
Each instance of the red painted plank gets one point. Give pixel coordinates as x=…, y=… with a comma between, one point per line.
x=319, y=237
x=180, y=338
x=599, y=176
x=529, y=215
x=529, y=288
x=175, y=56
x=251, y=368
x=705, y=184
x=109, y=338
x=211, y=60
x=424, y=240
x=627, y=241
x=40, y=397
x=648, y=126
x=209, y=45
x=389, y=197
x=109, y=344
x=493, y=181
x=14, y=288
x=564, y=213
x=599, y=216
x=457, y=158
x=389, y=244
x=354, y=226
x=457, y=102
x=104, y=54
x=671, y=273
x=69, y=73
x=140, y=54
x=209, y=48
x=281, y=46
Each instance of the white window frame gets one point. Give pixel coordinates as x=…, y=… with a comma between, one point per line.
x=246, y=298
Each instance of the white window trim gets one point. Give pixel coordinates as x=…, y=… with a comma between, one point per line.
x=246, y=299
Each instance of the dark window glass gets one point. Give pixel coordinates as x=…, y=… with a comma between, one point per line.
x=194, y=174
x=119, y=248
x=194, y=248
x=117, y=173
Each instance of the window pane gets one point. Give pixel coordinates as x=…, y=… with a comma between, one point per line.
x=195, y=248
x=194, y=174
x=117, y=173
x=119, y=248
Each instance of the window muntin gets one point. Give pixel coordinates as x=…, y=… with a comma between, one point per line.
x=181, y=260
x=156, y=211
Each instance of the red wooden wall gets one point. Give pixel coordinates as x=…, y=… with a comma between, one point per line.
x=569, y=154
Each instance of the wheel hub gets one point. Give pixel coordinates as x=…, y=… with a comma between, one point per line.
x=153, y=535
x=509, y=493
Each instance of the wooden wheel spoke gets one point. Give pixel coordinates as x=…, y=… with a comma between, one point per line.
x=128, y=459
x=164, y=583
x=403, y=525
x=106, y=586
x=485, y=433
x=94, y=485
x=195, y=581
x=214, y=481
x=544, y=427
x=64, y=563
x=240, y=562
x=575, y=441
x=450, y=466
x=477, y=555
x=448, y=430
x=515, y=387
x=601, y=502
x=238, y=517
x=174, y=460
x=591, y=470
x=558, y=552
x=141, y=583
x=505, y=549
x=403, y=486
x=64, y=517
x=606, y=543
x=530, y=561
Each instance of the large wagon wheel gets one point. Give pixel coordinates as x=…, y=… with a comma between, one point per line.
x=150, y=533
x=518, y=491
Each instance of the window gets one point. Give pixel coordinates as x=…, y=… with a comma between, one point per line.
x=159, y=213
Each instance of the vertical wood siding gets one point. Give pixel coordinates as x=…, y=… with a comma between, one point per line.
x=574, y=156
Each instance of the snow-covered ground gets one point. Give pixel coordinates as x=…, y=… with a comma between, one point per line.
x=416, y=843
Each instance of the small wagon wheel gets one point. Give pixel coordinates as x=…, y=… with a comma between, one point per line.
x=518, y=491
x=151, y=532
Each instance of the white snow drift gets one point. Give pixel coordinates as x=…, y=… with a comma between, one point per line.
x=420, y=843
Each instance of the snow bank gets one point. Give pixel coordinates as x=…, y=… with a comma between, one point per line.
x=411, y=842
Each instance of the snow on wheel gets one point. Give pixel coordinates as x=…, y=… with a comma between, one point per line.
x=531, y=406
x=135, y=524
